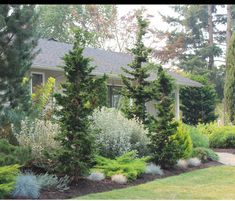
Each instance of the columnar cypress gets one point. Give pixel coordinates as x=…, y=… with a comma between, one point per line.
x=164, y=148
x=136, y=86
x=229, y=86
x=78, y=100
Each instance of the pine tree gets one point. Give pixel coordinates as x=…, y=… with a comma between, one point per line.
x=78, y=100
x=229, y=86
x=136, y=86
x=164, y=148
x=17, y=42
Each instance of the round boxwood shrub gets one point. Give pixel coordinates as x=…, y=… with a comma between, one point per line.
x=205, y=154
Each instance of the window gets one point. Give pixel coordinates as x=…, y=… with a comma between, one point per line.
x=114, y=95
x=37, y=79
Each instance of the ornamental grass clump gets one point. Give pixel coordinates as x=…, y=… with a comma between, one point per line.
x=96, y=176
x=182, y=164
x=119, y=178
x=153, y=169
x=194, y=162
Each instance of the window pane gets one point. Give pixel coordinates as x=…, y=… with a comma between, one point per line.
x=114, y=96
x=37, y=79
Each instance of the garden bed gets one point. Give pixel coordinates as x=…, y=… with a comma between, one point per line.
x=85, y=186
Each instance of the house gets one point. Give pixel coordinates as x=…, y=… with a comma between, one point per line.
x=46, y=64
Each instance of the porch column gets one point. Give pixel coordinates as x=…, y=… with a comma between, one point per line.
x=177, y=102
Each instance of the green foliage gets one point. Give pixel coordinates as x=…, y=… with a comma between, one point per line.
x=184, y=140
x=8, y=176
x=205, y=154
x=42, y=96
x=80, y=96
x=198, y=139
x=223, y=137
x=229, y=86
x=136, y=87
x=198, y=104
x=207, y=129
x=127, y=164
x=164, y=146
x=17, y=45
x=10, y=154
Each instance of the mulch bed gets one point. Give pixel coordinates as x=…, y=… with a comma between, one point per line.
x=85, y=186
x=231, y=151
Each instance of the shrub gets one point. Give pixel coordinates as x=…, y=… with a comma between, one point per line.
x=8, y=176
x=26, y=187
x=184, y=140
x=119, y=178
x=127, y=164
x=198, y=139
x=39, y=135
x=224, y=137
x=182, y=164
x=116, y=134
x=153, y=169
x=205, y=154
x=96, y=176
x=207, y=129
x=10, y=154
x=47, y=181
x=194, y=162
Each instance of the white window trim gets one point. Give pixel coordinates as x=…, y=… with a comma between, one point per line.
x=31, y=75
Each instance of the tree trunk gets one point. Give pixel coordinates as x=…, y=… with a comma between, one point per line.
x=210, y=31
x=229, y=27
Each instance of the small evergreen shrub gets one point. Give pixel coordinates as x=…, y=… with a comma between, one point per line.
x=8, y=175
x=182, y=164
x=153, y=169
x=116, y=135
x=96, y=176
x=127, y=164
x=26, y=187
x=198, y=139
x=119, y=178
x=10, y=154
x=194, y=162
x=207, y=129
x=184, y=140
x=224, y=137
x=205, y=154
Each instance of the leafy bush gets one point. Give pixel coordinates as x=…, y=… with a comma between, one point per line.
x=10, y=154
x=127, y=164
x=116, y=134
x=224, y=137
x=96, y=176
x=182, y=164
x=205, y=154
x=184, y=140
x=8, y=176
x=153, y=169
x=39, y=135
x=207, y=129
x=26, y=187
x=198, y=139
x=194, y=162
x=119, y=178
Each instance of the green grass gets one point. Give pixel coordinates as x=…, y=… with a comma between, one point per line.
x=216, y=183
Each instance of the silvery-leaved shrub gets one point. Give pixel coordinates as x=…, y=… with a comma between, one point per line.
x=119, y=178
x=153, y=169
x=96, y=176
x=182, y=164
x=116, y=135
x=26, y=186
x=194, y=162
x=39, y=135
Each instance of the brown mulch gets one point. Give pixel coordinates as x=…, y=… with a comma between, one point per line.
x=231, y=151
x=85, y=186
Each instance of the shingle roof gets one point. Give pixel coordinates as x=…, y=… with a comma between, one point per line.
x=52, y=52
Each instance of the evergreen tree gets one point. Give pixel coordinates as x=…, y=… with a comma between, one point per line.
x=164, y=148
x=79, y=98
x=17, y=42
x=136, y=86
x=229, y=86
x=198, y=104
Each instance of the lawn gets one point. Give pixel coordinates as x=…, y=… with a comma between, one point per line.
x=216, y=183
